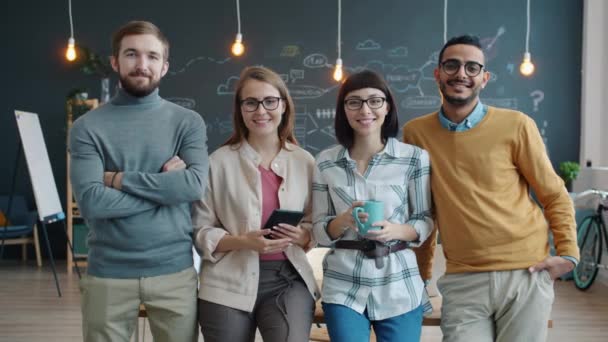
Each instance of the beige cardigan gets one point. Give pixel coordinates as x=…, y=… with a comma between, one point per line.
x=233, y=205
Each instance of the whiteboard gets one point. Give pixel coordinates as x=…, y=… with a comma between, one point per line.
x=39, y=166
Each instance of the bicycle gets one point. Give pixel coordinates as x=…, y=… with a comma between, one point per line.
x=591, y=236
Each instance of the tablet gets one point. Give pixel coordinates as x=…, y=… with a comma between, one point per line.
x=283, y=216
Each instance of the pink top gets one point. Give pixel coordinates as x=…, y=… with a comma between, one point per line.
x=270, y=201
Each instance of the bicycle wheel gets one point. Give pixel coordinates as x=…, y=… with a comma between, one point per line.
x=590, y=244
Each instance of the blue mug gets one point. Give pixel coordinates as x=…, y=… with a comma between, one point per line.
x=375, y=212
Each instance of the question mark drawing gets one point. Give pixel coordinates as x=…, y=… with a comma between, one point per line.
x=537, y=97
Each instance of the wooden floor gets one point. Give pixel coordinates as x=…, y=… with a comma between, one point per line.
x=31, y=311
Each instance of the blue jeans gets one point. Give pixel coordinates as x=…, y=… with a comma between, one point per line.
x=347, y=325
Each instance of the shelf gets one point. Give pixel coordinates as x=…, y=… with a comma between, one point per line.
x=74, y=109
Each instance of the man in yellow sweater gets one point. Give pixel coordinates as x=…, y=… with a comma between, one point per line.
x=498, y=284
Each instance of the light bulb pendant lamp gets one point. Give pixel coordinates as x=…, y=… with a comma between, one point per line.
x=338, y=73
x=526, y=67
x=237, y=47
x=70, y=52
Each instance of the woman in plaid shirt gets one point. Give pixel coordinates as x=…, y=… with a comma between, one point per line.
x=371, y=280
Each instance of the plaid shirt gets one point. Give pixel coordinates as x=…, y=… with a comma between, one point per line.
x=399, y=177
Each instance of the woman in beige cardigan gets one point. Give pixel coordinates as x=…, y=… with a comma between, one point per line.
x=248, y=280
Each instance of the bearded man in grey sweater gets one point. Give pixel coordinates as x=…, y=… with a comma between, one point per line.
x=137, y=163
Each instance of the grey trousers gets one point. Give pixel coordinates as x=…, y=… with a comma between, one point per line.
x=283, y=310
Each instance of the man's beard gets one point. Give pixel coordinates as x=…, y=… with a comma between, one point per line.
x=458, y=101
x=138, y=90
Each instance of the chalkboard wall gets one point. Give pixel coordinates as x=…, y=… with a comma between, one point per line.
x=297, y=38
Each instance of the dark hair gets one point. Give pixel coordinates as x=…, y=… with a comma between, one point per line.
x=356, y=81
x=135, y=28
x=286, y=127
x=465, y=39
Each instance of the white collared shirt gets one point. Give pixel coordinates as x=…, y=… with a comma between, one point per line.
x=399, y=177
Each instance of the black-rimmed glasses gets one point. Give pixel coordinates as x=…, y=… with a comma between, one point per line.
x=269, y=103
x=452, y=66
x=372, y=103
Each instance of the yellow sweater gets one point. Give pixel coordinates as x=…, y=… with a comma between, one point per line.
x=480, y=183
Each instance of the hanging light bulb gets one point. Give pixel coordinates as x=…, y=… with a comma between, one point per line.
x=237, y=47
x=526, y=68
x=338, y=74
x=445, y=21
x=70, y=52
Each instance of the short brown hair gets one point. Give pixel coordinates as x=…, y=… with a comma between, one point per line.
x=286, y=127
x=138, y=27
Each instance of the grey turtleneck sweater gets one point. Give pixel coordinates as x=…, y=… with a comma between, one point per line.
x=144, y=229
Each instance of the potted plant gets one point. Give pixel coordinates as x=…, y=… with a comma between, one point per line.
x=76, y=103
x=78, y=94
x=94, y=64
x=569, y=170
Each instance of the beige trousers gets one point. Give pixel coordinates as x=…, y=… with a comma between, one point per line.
x=501, y=306
x=110, y=307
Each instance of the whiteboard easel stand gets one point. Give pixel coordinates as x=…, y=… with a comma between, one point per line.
x=43, y=221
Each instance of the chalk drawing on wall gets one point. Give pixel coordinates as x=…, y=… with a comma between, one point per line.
x=218, y=125
x=296, y=74
x=307, y=74
x=501, y=30
x=403, y=79
x=489, y=43
x=501, y=102
x=196, y=60
x=368, y=44
x=398, y=52
x=315, y=61
x=183, y=101
x=284, y=77
x=300, y=124
x=290, y=51
x=434, y=57
x=325, y=113
x=537, y=97
x=400, y=77
x=493, y=77
x=227, y=88
x=421, y=102
x=312, y=133
x=543, y=132
x=299, y=91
